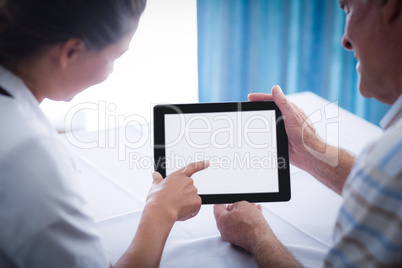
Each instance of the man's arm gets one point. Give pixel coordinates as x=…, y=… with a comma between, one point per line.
x=243, y=225
x=332, y=176
x=328, y=164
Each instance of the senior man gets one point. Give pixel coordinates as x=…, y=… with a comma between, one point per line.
x=368, y=232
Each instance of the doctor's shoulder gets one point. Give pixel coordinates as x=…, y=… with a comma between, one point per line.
x=26, y=144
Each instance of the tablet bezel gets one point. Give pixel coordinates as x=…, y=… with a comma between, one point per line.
x=282, y=146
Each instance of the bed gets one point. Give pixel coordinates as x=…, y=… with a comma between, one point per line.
x=116, y=179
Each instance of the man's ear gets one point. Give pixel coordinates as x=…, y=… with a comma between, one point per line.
x=70, y=50
x=391, y=10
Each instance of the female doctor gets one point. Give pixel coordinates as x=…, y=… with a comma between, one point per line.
x=55, y=49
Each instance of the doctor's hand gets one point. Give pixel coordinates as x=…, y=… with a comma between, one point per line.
x=176, y=194
x=169, y=200
x=243, y=224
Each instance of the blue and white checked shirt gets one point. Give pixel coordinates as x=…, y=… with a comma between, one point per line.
x=368, y=232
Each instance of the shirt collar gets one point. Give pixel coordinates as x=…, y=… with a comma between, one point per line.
x=393, y=115
x=21, y=93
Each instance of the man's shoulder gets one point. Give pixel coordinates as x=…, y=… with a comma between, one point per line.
x=385, y=153
x=379, y=166
x=368, y=225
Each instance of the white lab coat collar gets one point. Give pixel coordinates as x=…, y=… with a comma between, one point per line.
x=393, y=115
x=16, y=87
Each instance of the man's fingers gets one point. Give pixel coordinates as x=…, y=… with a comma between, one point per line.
x=219, y=210
x=192, y=168
x=259, y=97
x=257, y=206
x=157, y=177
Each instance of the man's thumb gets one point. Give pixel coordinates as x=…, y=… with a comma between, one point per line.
x=157, y=177
x=280, y=99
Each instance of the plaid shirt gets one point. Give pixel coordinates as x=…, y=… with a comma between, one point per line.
x=368, y=232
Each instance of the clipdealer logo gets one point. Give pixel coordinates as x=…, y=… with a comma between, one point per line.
x=113, y=129
x=114, y=132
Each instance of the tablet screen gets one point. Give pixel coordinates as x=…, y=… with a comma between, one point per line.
x=239, y=142
x=240, y=146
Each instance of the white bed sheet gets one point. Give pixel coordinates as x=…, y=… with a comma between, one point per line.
x=116, y=190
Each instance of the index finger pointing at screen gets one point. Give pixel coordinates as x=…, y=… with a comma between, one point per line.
x=192, y=168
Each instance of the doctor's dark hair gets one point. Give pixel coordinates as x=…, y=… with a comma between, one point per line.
x=27, y=26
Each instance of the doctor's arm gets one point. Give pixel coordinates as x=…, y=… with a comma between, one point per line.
x=169, y=200
x=328, y=164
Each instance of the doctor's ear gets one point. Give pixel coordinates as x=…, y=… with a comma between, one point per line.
x=391, y=10
x=70, y=50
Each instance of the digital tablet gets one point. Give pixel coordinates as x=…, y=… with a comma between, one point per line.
x=245, y=143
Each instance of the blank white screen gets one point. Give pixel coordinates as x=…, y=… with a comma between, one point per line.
x=241, y=148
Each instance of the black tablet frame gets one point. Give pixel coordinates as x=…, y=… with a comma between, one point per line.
x=282, y=146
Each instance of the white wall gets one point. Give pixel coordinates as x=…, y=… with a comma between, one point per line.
x=160, y=67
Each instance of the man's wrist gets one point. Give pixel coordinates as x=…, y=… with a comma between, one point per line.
x=272, y=253
x=261, y=247
x=331, y=167
x=312, y=154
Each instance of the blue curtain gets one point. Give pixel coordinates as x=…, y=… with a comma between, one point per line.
x=248, y=46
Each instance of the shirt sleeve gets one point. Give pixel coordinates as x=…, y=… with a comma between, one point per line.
x=368, y=232
x=41, y=216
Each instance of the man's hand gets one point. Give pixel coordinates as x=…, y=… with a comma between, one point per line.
x=243, y=225
x=328, y=164
x=298, y=128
